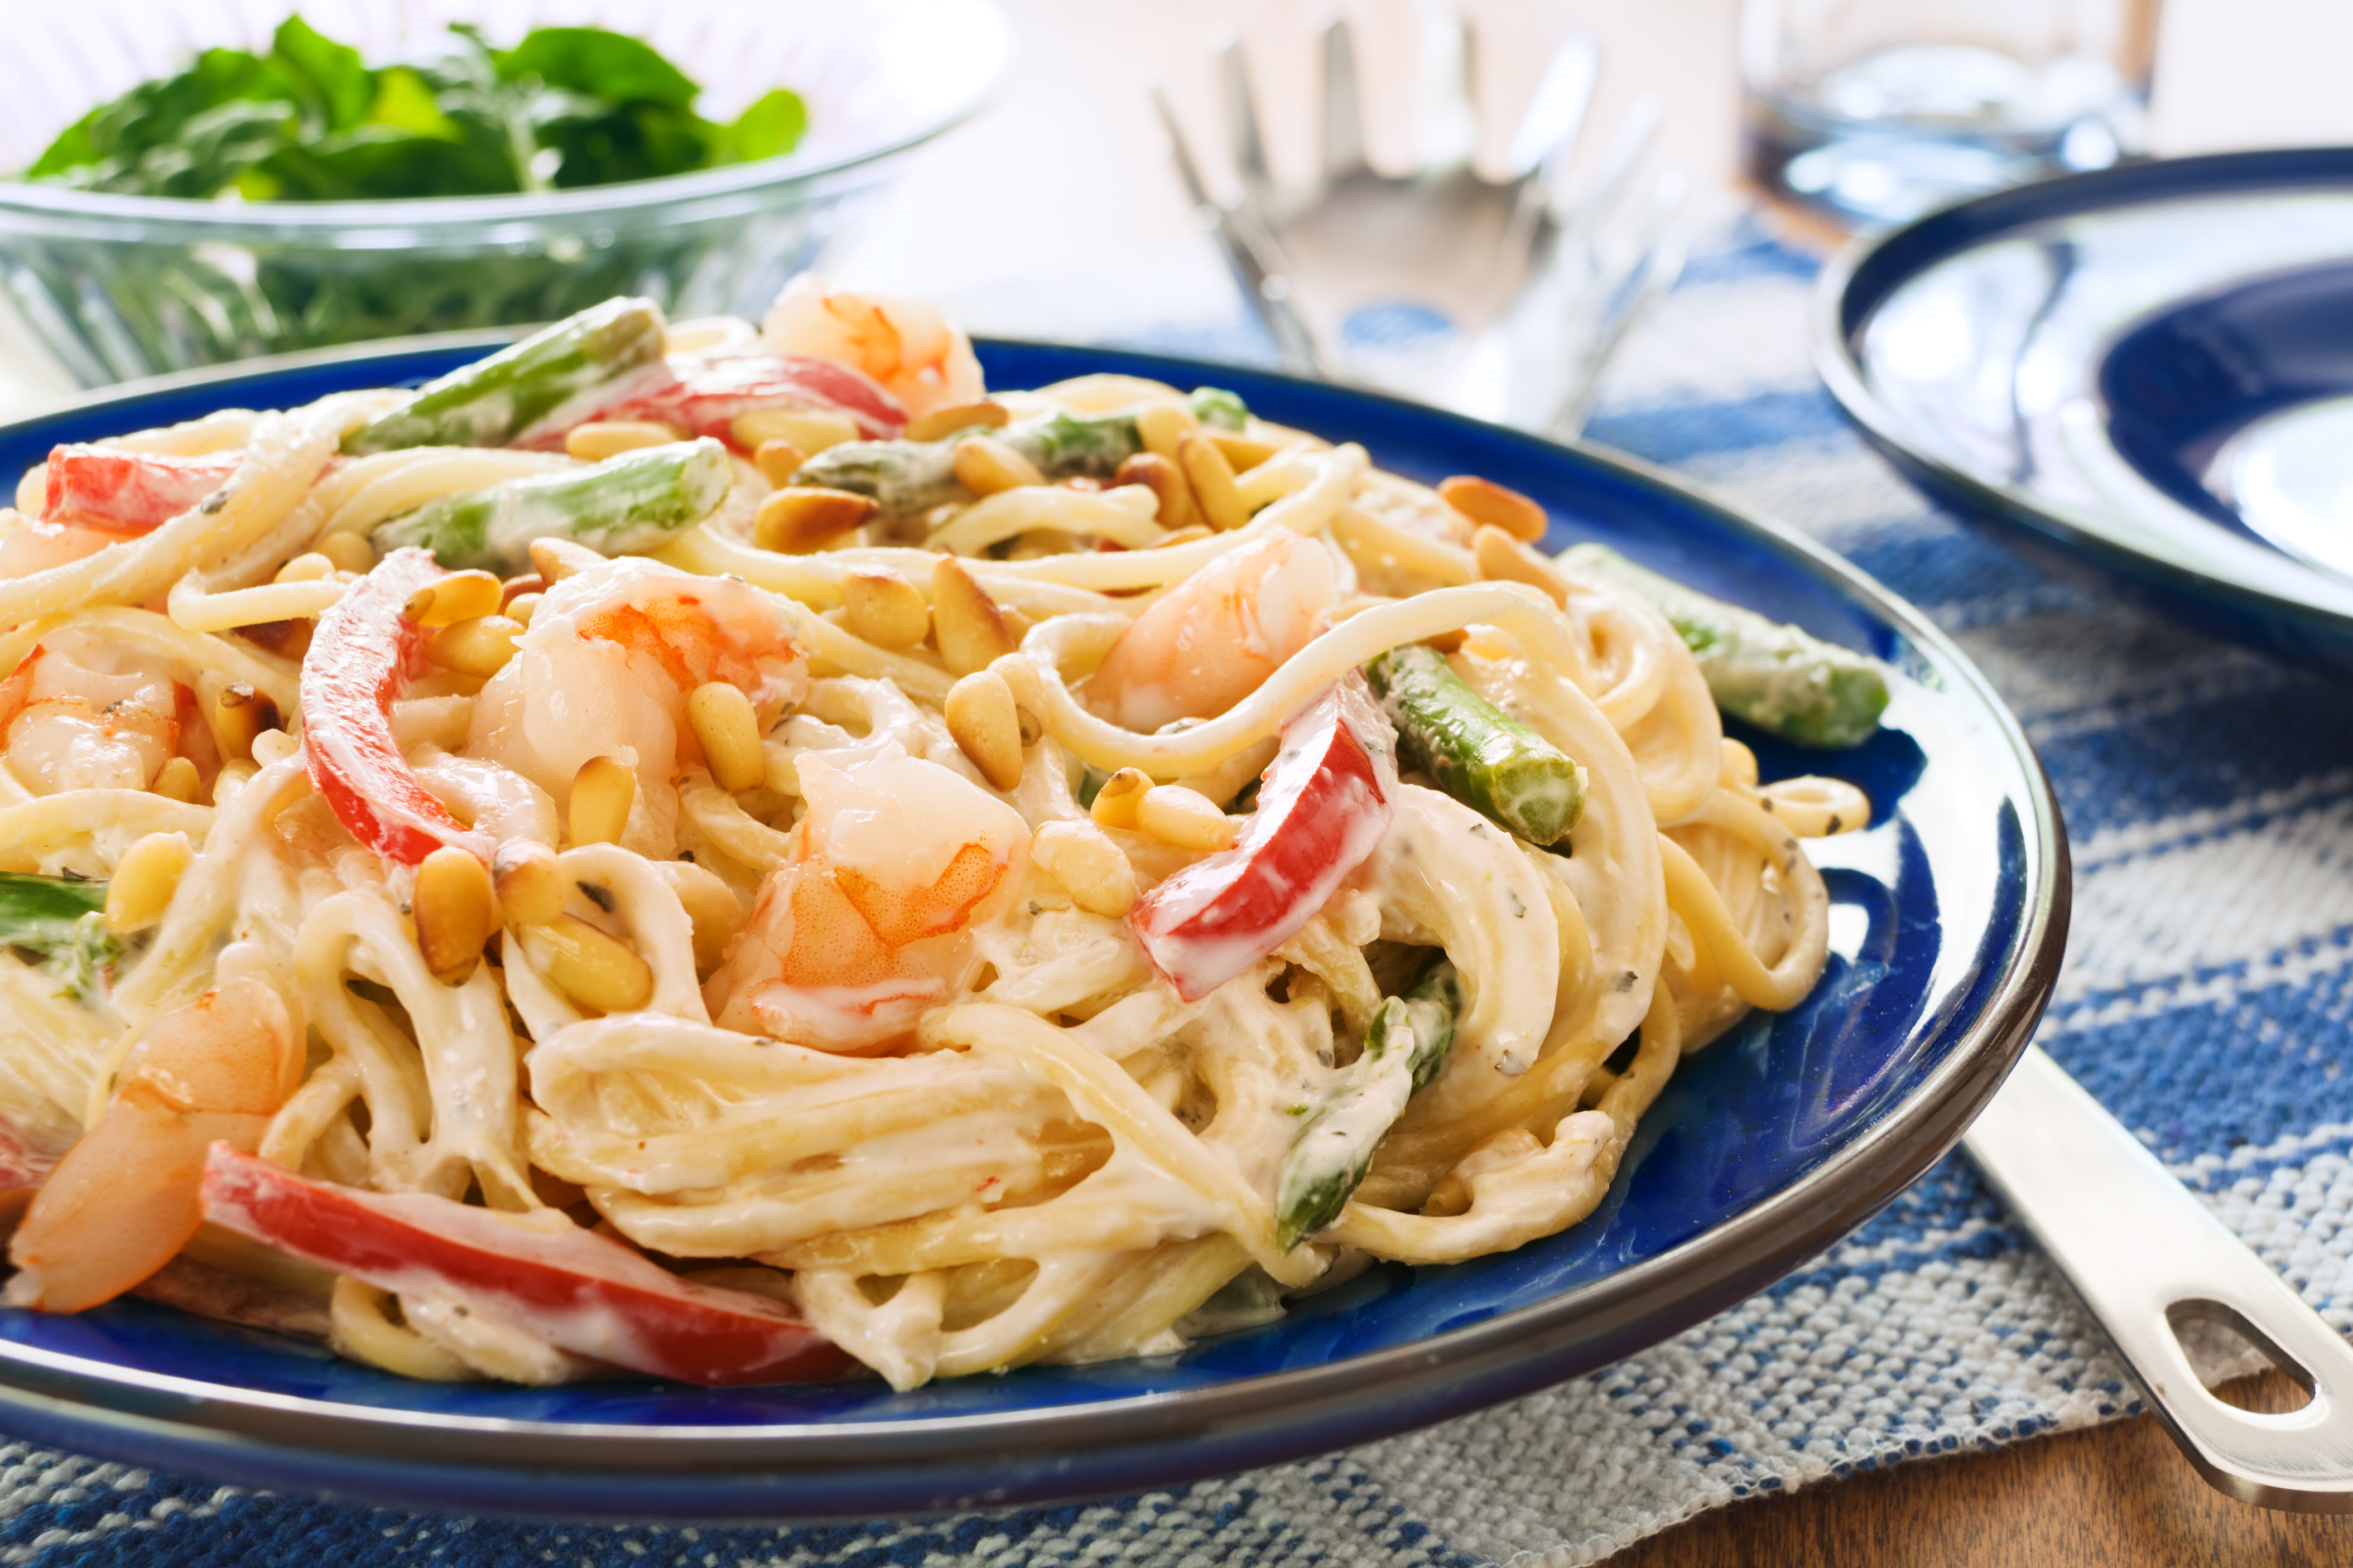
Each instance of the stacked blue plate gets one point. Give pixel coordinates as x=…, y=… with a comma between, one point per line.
x=2145, y=374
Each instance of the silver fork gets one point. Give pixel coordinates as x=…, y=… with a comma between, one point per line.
x=1500, y=297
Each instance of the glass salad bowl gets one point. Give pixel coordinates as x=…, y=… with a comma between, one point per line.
x=119, y=287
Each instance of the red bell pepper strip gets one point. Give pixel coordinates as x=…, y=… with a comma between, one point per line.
x=115, y=491
x=1322, y=805
x=710, y=393
x=365, y=649
x=580, y=1291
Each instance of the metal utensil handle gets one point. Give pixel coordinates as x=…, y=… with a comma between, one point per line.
x=2144, y=1253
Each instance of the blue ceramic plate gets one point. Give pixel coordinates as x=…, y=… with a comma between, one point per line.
x=1949, y=917
x=2145, y=374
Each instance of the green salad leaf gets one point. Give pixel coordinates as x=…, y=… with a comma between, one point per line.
x=566, y=108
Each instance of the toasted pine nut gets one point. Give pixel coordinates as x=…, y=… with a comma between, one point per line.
x=981, y=717
x=557, y=559
x=1212, y=479
x=611, y=437
x=478, y=647
x=274, y=746
x=1502, y=559
x=1167, y=484
x=1028, y=686
x=1115, y=802
x=456, y=913
x=602, y=794
x=530, y=884
x=729, y=733
x=941, y=423
x=33, y=490
x=1081, y=857
x=1031, y=728
x=1181, y=536
x=1017, y=625
x=798, y=519
x=349, y=551
x=459, y=596
x=522, y=606
x=1184, y=817
x=1163, y=424
x=883, y=608
x=712, y=909
x=177, y=780
x=778, y=461
x=600, y=971
x=305, y=568
x=967, y=623
x=985, y=465
x=233, y=777
x=806, y=428
x=1244, y=452
x=239, y=714
x=144, y=880
x=1485, y=502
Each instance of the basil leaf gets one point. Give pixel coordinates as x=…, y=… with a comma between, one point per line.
x=334, y=90
x=384, y=162
x=599, y=145
x=771, y=128
x=566, y=107
x=405, y=102
x=598, y=64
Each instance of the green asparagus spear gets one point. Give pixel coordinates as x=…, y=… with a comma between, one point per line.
x=912, y=477
x=632, y=502
x=1404, y=1047
x=1219, y=409
x=65, y=922
x=1777, y=677
x=1474, y=750
x=544, y=381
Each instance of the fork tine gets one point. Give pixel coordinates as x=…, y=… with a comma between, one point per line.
x=1241, y=110
x=1261, y=272
x=1556, y=115
x=1619, y=163
x=1654, y=263
x=1180, y=153
x=1344, y=124
x=1445, y=107
x=1547, y=139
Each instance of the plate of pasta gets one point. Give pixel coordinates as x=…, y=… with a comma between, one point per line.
x=810, y=919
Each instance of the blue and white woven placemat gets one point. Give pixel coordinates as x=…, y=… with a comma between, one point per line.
x=2208, y=793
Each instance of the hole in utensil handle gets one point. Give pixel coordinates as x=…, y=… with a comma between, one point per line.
x=2187, y=1318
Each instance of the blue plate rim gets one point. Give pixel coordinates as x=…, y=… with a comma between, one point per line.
x=932, y=1463
x=1860, y=278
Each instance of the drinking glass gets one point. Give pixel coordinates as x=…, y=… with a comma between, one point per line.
x=1876, y=110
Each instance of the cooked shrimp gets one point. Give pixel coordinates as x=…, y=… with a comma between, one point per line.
x=864, y=927
x=75, y=715
x=1215, y=636
x=606, y=670
x=909, y=347
x=34, y=545
x=123, y=1202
